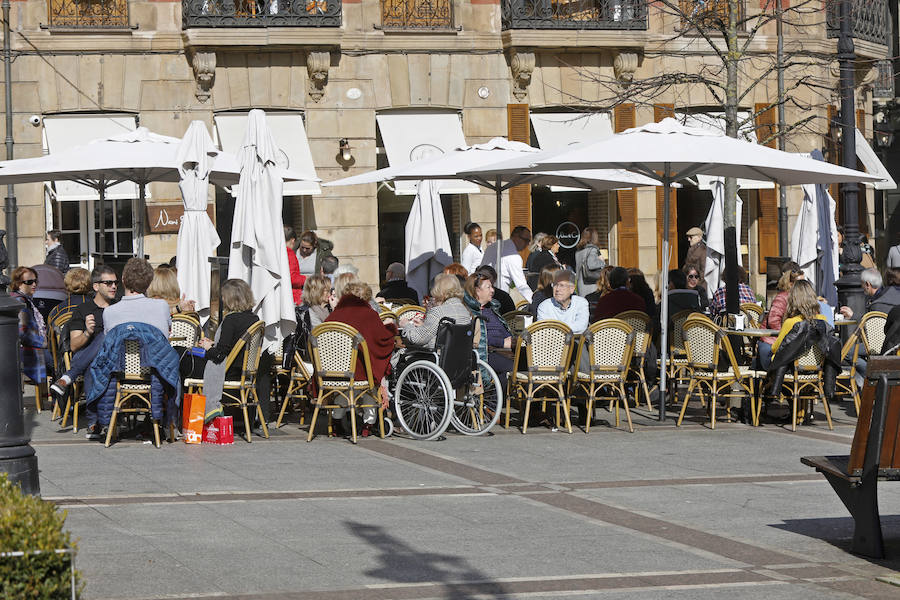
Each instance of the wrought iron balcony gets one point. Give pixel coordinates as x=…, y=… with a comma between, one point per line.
x=89, y=14
x=709, y=14
x=871, y=20
x=574, y=14
x=416, y=14
x=261, y=13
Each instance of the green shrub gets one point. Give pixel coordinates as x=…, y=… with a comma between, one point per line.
x=28, y=523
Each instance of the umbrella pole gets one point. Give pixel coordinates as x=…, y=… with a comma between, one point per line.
x=101, y=245
x=664, y=295
x=499, y=191
x=139, y=220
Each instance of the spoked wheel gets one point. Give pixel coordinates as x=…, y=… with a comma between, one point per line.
x=477, y=407
x=422, y=399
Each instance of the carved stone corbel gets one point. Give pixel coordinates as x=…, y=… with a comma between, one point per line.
x=204, y=67
x=521, y=64
x=317, y=64
x=624, y=66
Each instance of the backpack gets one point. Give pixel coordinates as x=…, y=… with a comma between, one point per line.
x=590, y=275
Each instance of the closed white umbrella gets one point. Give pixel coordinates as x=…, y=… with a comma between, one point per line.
x=197, y=237
x=804, y=237
x=714, y=271
x=668, y=152
x=258, y=254
x=427, y=243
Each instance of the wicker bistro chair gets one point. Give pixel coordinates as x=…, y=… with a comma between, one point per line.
x=186, y=331
x=704, y=342
x=546, y=348
x=871, y=331
x=242, y=392
x=677, y=364
x=386, y=315
x=132, y=391
x=805, y=383
x=335, y=349
x=522, y=305
x=640, y=325
x=610, y=344
x=845, y=382
x=515, y=320
x=62, y=360
x=408, y=309
x=56, y=332
x=299, y=376
x=753, y=312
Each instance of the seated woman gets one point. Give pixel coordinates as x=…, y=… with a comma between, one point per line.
x=775, y=317
x=446, y=295
x=314, y=308
x=802, y=305
x=32, y=329
x=355, y=310
x=237, y=304
x=492, y=336
x=695, y=281
x=547, y=255
x=544, y=288
x=165, y=287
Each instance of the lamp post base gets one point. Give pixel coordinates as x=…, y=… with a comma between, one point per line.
x=20, y=465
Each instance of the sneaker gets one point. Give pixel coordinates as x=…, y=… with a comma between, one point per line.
x=93, y=432
x=58, y=389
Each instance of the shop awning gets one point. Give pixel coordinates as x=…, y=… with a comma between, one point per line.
x=715, y=121
x=411, y=136
x=873, y=165
x=290, y=135
x=67, y=131
x=555, y=131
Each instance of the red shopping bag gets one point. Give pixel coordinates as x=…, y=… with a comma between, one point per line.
x=192, y=410
x=219, y=431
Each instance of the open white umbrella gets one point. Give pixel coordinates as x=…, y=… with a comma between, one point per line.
x=197, y=237
x=258, y=254
x=470, y=162
x=668, y=152
x=141, y=156
x=427, y=242
x=714, y=271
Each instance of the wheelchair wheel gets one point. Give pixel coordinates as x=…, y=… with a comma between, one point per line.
x=477, y=408
x=422, y=400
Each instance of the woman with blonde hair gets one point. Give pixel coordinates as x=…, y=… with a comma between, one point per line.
x=446, y=295
x=791, y=273
x=802, y=305
x=165, y=287
x=237, y=305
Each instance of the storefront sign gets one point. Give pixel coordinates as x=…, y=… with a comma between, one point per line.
x=166, y=218
x=568, y=234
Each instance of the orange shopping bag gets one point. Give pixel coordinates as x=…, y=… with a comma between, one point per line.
x=192, y=410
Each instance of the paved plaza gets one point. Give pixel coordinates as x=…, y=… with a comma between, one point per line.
x=670, y=513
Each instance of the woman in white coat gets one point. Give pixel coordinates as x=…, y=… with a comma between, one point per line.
x=472, y=255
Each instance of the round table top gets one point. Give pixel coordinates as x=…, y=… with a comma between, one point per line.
x=753, y=332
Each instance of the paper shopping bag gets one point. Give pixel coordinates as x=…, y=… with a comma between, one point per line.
x=219, y=431
x=193, y=409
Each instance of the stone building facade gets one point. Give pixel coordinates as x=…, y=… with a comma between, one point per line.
x=343, y=64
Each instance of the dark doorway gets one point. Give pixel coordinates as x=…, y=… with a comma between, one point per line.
x=555, y=213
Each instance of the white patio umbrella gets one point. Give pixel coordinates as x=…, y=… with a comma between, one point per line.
x=714, y=271
x=428, y=248
x=807, y=245
x=258, y=254
x=668, y=152
x=197, y=237
x=140, y=156
x=470, y=162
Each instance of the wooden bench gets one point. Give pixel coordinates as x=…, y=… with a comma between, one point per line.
x=874, y=455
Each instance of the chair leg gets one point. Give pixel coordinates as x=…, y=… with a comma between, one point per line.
x=646, y=389
x=589, y=409
x=351, y=407
x=510, y=388
x=246, y=422
x=312, y=424
x=65, y=413
x=825, y=405
x=794, y=409
x=259, y=412
x=527, y=410
x=75, y=415
x=381, y=421
x=855, y=391
x=284, y=404
x=687, y=397
x=627, y=412
x=156, y=433
x=562, y=400
x=712, y=405
x=112, y=421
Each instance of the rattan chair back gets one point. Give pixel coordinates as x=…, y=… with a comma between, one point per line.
x=676, y=339
x=871, y=329
x=753, y=312
x=548, y=346
x=640, y=325
x=409, y=310
x=187, y=327
x=701, y=342
x=335, y=349
x=611, y=343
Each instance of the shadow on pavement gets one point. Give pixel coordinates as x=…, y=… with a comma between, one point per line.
x=403, y=564
x=839, y=532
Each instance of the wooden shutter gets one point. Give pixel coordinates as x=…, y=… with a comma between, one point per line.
x=626, y=201
x=518, y=129
x=767, y=215
x=660, y=112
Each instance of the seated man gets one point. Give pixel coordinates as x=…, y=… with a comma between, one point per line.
x=133, y=308
x=564, y=305
x=619, y=299
x=745, y=294
x=86, y=336
x=395, y=286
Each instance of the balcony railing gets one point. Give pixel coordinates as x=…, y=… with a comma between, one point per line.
x=416, y=14
x=709, y=14
x=261, y=13
x=89, y=14
x=574, y=14
x=871, y=20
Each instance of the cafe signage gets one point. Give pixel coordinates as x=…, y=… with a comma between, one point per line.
x=166, y=218
x=568, y=234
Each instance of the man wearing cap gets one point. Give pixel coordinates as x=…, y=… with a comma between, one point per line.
x=395, y=286
x=696, y=254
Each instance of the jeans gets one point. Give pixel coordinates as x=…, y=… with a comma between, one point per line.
x=81, y=362
x=764, y=356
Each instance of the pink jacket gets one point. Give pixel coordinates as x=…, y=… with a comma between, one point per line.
x=776, y=314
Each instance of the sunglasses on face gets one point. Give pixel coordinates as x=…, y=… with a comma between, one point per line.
x=108, y=282
x=29, y=281
x=693, y=276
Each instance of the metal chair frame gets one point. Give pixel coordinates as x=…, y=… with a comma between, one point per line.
x=641, y=327
x=601, y=376
x=132, y=385
x=805, y=377
x=299, y=376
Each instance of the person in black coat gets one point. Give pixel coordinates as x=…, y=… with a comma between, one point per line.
x=56, y=254
x=395, y=286
x=547, y=255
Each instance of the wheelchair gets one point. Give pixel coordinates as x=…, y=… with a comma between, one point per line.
x=450, y=385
